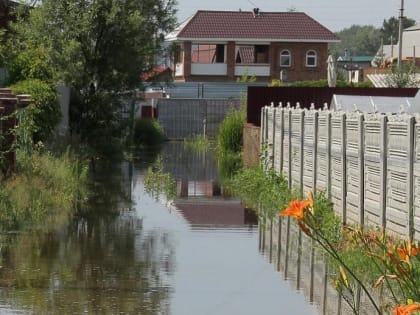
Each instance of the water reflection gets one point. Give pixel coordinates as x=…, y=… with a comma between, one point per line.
x=126, y=253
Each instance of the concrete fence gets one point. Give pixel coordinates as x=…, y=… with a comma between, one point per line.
x=305, y=266
x=368, y=164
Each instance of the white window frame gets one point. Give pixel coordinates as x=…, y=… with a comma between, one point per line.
x=311, y=54
x=286, y=53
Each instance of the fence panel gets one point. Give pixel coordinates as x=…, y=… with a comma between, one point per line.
x=398, y=186
x=309, y=149
x=324, y=152
x=278, y=141
x=367, y=163
x=297, y=149
x=354, y=162
x=416, y=181
x=338, y=163
x=287, y=151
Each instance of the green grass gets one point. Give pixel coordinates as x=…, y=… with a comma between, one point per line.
x=44, y=190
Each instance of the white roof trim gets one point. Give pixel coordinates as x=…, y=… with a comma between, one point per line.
x=248, y=40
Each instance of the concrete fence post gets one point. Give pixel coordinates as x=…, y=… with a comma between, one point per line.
x=344, y=168
x=281, y=149
x=289, y=141
x=273, y=146
x=361, y=154
x=410, y=176
x=301, y=150
x=315, y=154
x=328, y=158
x=383, y=168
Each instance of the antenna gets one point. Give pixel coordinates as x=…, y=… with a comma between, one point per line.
x=255, y=6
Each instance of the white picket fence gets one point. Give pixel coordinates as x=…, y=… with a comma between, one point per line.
x=368, y=164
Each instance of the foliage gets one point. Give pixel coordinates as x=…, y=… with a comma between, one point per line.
x=157, y=181
x=324, y=83
x=230, y=133
x=92, y=47
x=358, y=40
x=198, y=143
x=245, y=78
x=43, y=114
x=390, y=29
x=148, y=132
x=275, y=83
x=263, y=191
x=404, y=77
x=29, y=63
x=44, y=190
x=366, y=39
x=363, y=259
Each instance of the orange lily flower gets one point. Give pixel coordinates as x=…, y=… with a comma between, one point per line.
x=408, y=251
x=296, y=209
x=406, y=309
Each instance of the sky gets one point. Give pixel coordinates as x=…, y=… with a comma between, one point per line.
x=333, y=14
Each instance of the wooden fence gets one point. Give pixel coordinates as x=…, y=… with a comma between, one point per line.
x=368, y=164
x=9, y=102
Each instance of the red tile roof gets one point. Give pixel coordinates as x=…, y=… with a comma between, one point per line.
x=272, y=26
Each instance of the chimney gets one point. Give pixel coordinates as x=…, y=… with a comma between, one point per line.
x=256, y=12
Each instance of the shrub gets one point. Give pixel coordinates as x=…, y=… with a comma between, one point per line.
x=148, y=132
x=44, y=190
x=44, y=113
x=230, y=133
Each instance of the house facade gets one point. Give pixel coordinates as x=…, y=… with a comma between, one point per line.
x=225, y=45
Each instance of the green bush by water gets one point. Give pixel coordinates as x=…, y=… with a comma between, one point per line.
x=230, y=133
x=44, y=190
x=147, y=132
x=44, y=113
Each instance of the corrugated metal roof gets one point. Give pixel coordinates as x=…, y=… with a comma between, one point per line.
x=269, y=26
x=380, y=80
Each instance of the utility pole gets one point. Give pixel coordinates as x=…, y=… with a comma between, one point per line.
x=400, y=32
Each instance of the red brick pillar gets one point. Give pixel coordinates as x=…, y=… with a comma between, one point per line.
x=273, y=62
x=187, y=60
x=230, y=59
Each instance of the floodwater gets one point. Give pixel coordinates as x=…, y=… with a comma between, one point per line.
x=197, y=256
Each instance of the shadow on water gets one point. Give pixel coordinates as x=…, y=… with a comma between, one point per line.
x=126, y=253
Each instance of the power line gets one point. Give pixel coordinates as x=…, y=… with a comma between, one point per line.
x=255, y=6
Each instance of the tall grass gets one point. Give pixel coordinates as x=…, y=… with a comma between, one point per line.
x=230, y=142
x=44, y=190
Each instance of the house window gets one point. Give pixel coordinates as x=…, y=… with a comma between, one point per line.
x=261, y=54
x=251, y=54
x=311, y=58
x=208, y=53
x=285, y=58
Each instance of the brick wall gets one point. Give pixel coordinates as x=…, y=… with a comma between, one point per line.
x=298, y=70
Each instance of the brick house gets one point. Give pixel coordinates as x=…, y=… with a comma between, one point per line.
x=224, y=45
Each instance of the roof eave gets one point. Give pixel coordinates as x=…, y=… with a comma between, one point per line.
x=258, y=40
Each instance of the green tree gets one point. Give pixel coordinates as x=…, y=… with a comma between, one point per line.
x=99, y=48
x=358, y=40
x=390, y=29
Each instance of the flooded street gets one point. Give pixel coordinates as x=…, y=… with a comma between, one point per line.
x=198, y=256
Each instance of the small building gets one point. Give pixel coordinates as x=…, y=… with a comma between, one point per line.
x=226, y=45
x=388, y=54
x=354, y=66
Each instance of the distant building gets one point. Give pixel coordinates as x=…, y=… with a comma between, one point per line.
x=225, y=45
x=388, y=54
